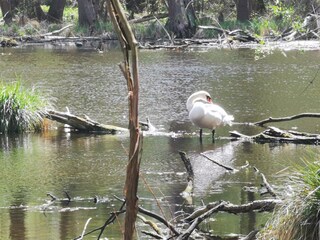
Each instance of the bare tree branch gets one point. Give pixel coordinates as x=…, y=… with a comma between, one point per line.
x=285, y=119
x=265, y=183
x=219, y=164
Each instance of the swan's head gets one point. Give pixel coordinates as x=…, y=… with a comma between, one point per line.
x=201, y=96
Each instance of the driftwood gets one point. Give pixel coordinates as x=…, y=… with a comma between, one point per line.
x=234, y=35
x=266, y=183
x=149, y=18
x=228, y=168
x=187, y=165
x=188, y=191
x=82, y=124
x=273, y=134
x=261, y=205
x=203, y=213
x=289, y=118
x=56, y=31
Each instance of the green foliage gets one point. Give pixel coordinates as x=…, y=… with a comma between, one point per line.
x=234, y=24
x=151, y=30
x=279, y=17
x=298, y=217
x=70, y=14
x=100, y=27
x=21, y=109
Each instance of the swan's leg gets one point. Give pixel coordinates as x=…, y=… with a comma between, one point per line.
x=201, y=135
x=213, y=132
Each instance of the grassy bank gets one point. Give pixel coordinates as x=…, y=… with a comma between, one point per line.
x=298, y=217
x=21, y=109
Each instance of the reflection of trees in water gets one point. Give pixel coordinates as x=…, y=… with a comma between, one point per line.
x=207, y=173
x=17, y=216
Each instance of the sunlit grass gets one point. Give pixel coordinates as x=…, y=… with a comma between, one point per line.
x=299, y=215
x=21, y=109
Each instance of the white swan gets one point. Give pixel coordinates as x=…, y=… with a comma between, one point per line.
x=205, y=114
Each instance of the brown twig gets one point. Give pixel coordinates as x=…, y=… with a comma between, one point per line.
x=219, y=164
x=159, y=218
x=289, y=118
x=201, y=214
x=265, y=183
x=187, y=165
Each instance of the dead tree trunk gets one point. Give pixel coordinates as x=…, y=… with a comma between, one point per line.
x=87, y=14
x=181, y=18
x=128, y=42
x=7, y=8
x=55, y=13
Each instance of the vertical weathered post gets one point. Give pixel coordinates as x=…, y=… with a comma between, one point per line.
x=129, y=45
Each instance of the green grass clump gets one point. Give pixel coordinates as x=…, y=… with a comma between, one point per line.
x=21, y=109
x=299, y=215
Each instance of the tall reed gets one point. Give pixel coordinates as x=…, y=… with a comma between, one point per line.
x=21, y=109
x=298, y=218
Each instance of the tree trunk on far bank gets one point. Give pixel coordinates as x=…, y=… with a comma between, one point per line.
x=181, y=18
x=87, y=14
x=7, y=9
x=244, y=8
x=55, y=13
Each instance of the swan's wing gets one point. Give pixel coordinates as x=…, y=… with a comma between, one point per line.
x=218, y=112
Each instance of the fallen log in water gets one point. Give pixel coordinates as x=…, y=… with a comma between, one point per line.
x=273, y=134
x=82, y=124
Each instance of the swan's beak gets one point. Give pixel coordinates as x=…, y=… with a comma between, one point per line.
x=209, y=99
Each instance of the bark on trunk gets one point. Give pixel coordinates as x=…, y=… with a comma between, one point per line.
x=40, y=15
x=244, y=8
x=128, y=42
x=55, y=13
x=87, y=14
x=181, y=18
x=7, y=9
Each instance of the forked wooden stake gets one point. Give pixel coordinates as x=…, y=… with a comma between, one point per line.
x=129, y=45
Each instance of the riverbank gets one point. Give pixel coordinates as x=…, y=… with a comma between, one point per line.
x=102, y=43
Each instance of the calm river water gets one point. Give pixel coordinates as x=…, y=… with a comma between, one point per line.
x=91, y=166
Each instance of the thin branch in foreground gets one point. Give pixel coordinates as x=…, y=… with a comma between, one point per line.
x=153, y=235
x=228, y=168
x=109, y=221
x=150, y=223
x=155, y=216
x=187, y=165
x=160, y=219
x=265, y=183
x=312, y=81
x=211, y=208
x=198, y=220
x=84, y=229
